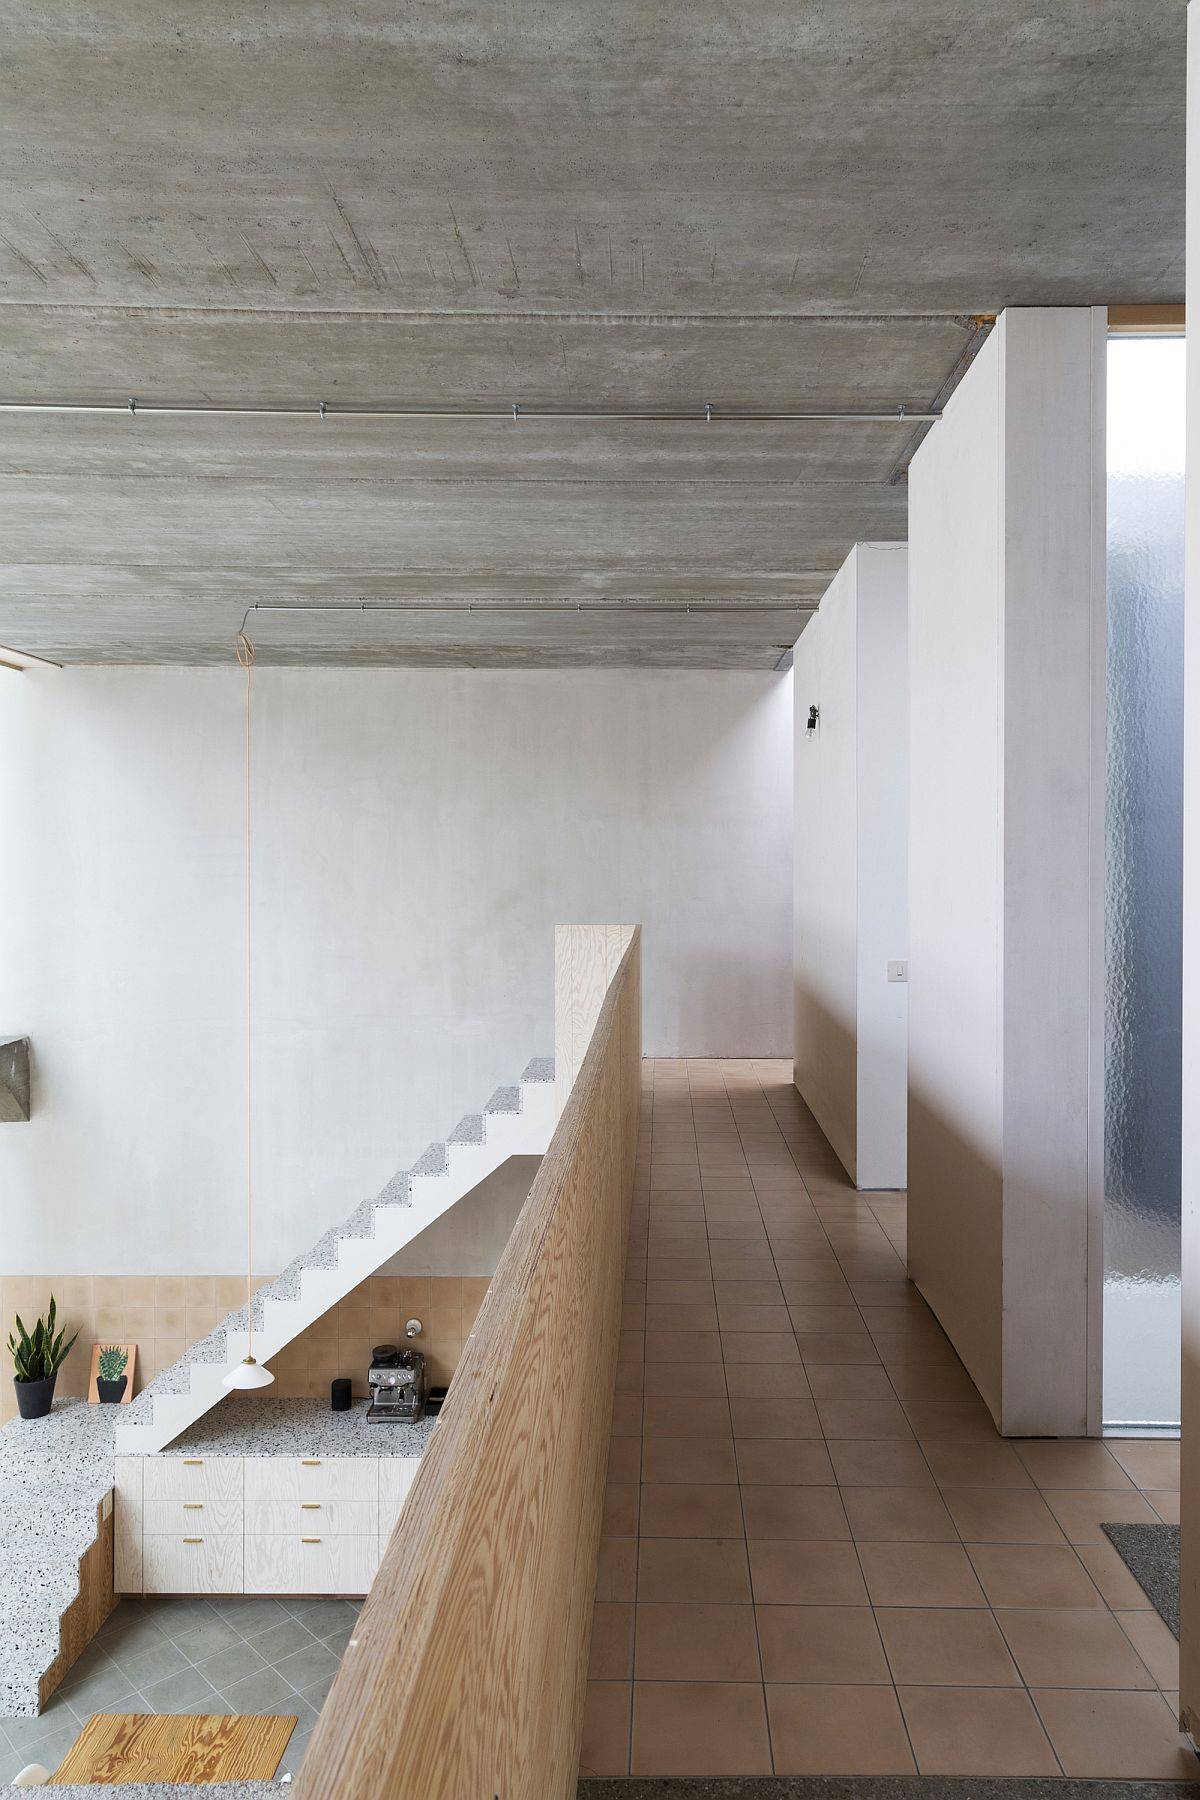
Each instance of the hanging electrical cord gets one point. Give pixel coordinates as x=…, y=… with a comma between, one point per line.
x=248, y=1373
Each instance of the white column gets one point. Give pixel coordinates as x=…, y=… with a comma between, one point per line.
x=1189, y=1610
x=850, y=875
x=1006, y=667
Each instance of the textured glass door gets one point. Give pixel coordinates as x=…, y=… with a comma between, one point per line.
x=1143, y=884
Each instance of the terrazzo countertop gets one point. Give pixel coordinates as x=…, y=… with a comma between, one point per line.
x=253, y=1426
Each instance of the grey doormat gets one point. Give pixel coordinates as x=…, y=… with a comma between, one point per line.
x=1151, y=1554
x=883, y=1787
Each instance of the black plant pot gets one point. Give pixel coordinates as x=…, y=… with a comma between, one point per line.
x=110, y=1391
x=34, y=1398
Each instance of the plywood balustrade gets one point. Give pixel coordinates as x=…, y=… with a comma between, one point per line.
x=465, y=1677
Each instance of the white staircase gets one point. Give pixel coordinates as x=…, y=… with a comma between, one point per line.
x=517, y=1121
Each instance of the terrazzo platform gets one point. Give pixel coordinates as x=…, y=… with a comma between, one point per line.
x=54, y=1472
x=253, y=1426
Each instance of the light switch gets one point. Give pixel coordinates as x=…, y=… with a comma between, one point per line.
x=897, y=971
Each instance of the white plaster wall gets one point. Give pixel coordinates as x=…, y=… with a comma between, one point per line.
x=418, y=834
x=1006, y=602
x=825, y=880
x=850, y=880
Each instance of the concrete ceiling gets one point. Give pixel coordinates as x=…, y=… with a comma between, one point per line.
x=576, y=205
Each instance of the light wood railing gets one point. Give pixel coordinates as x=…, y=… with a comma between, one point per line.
x=466, y=1674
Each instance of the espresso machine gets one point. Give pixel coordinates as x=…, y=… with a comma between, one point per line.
x=397, y=1384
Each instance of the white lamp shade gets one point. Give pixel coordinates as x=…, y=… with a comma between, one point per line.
x=248, y=1374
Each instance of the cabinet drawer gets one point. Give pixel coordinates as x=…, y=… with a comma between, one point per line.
x=192, y=1478
x=127, y=1526
x=192, y=1518
x=396, y=1476
x=191, y=1564
x=311, y=1518
x=311, y=1564
x=275, y=1478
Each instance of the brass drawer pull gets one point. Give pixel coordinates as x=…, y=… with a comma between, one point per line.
x=310, y=1506
x=310, y=1462
x=192, y=1462
x=310, y=1540
x=193, y=1540
x=193, y=1506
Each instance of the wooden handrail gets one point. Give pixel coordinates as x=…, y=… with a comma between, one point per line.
x=466, y=1674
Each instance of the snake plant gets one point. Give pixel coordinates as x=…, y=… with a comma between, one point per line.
x=38, y=1354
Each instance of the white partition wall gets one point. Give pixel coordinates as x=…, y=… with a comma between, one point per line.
x=850, y=881
x=1006, y=668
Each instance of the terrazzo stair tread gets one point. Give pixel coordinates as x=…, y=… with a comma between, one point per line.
x=469, y=1130
x=396, y=1191
x=504, y=1100
x=538, y=1068
x=433, y=1161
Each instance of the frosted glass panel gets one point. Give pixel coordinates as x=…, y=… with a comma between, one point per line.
x=1143, y=886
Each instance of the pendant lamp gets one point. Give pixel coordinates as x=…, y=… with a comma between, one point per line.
x=248, y=1374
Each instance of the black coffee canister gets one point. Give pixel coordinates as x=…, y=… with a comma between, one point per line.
x=339, y=1394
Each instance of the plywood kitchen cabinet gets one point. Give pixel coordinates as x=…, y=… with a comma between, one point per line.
x=255, y=1524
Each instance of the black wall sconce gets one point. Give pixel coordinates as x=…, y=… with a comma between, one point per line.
x=814, y=714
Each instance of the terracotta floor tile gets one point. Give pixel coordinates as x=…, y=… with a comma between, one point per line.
x=1001, y=1516
x=800, y=1290
x=758, y=1380
x=611, y=1655
x=845, y=1317
x=791, y=1573
x=976, y=1464
x=737, y=1316
x=684, y=1509
x=616, y=1575
x=1070, y=1463
x=1155, y=1644
x=606, y=1716
x=1034, y=1575
x=1111, y=1576
x=1081, y=1513
x=1165, y=1502
x=919, y=1574
x=713, y=1570
x=691, y=1265
x=933, y=1419
x=976, y=1731
x=689, y=1459
x=620, y=1516
x=679, y=1293
x=871, y=1462
x=837, y=1347
x=683, y=1346
x=863, y=1419
x=759, y=1347
x=766, y=1418
x=696, y=1643
x=945, y=1647
x=696, y=1315
x=749, y=1293
x=1149, y=1465
x=1078, y=1647
x=794, y=1512
x=848, y=1381
x=699, y=1728
x=624, y=1459
x=898, y=1515
x=681, y=1381
x=790, y=1462
x=686, y=1418
x=916, y=1382
x=837, y=1645
x=817, y=1730
x=1119, y=1735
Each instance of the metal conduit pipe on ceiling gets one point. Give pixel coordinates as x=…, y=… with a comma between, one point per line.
x=706, y=414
